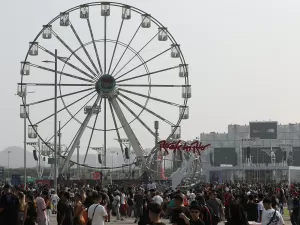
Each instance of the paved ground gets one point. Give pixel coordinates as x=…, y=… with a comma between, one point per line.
x=131, y=220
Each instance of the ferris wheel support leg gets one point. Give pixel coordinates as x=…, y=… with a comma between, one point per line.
x=129, y=132
x=78, y=137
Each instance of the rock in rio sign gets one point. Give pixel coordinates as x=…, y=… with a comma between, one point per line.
x=180, y=145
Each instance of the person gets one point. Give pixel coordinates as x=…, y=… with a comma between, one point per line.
x=192, y=197
x=123, y=206
x=48, y=206
x=96, y=212
x=30, y=212
x=155, y=214
x=260, y=206
x=65, y=211
x=130, y=205
x=205, y=210
x=290, y=204
x=106, y=203
x=22, y=204
x=295, y=211
x=116, y=204
x=178, y=210
x=251, y=209
x=138, y=201
x=78, y=210
x=271, y=216
x=41, y=210
x=227, y=201
x=195, y=216
x=54, y=201
x=281, y=200
x=216, y=207
x=157, y=198
x=237, y=215
x=9, y=207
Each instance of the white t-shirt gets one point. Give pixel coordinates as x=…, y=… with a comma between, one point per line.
x=122, y=199
x=117, y=201
x=54, y=199
x=157, y=199
x=268, y=215
x=100, y=212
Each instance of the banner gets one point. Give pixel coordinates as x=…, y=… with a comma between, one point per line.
x=226, y=156
x=97, y=175
x=16, y=180
x=263, y=130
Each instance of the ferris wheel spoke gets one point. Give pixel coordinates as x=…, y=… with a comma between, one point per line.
x=105, y=130
x=50, y=84
x=148, y=110
x=152, y=85
x=62, y=73
x=74, y=115
x=116, y=44
x=147, y=74
x=94, y=44
x=159, y=54
x=146, y=96
x=83, y=47
x=116, y=127
x=136, y=116
x=79, y=135
x=66, y=62
x=137, y=53
x=92, y=133
x=137, y=30
x=61, y=96
x=105, y=30
x=74, y=53
x=65, y=107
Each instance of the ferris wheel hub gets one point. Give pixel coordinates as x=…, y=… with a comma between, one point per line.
x=105, y=84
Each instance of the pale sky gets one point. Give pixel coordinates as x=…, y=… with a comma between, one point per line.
x=242, y=55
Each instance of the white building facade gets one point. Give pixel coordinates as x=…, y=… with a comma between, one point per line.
x=235, y=156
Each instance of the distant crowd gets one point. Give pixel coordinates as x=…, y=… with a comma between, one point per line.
x=204, y=204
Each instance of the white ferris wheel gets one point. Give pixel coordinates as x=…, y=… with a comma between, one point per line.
x=118, y=70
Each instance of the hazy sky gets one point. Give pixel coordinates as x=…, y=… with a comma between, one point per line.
x=243, y=58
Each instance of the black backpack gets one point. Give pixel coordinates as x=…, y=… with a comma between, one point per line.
x=207, y=213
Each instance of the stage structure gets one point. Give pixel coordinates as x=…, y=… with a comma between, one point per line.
x=116, y=70
x=259, y=152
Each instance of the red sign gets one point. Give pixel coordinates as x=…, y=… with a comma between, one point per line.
x=179, y=145
x=97, y=175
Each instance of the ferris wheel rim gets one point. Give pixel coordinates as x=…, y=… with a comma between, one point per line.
x=139, y=11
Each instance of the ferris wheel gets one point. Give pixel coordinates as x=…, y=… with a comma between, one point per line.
x=119, y=69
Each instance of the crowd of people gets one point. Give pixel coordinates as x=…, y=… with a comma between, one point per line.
x=205, y=204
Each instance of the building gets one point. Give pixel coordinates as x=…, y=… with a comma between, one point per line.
x=260, y=152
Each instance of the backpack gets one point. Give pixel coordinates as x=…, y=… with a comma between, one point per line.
x=207, y=213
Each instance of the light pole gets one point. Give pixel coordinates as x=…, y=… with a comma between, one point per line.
x=55, y=116
x=8, y=159
x=156, y=126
